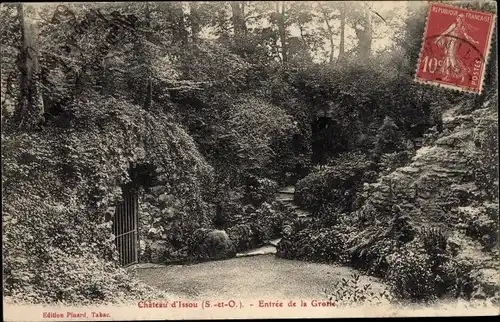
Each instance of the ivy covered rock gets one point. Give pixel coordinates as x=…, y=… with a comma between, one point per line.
x=211, y=244
x=60, y=183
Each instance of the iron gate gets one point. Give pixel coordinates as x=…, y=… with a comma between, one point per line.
x=125, y=227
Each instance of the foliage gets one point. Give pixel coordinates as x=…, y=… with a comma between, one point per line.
x=77, y=169
x=481, y=223
x=336, y=185
x=410, y=276
x=322, y=245
x=486, y=161
x=260, y=190
x=269, y=221
x=206, y=244
x=206, y=95
x=352, y=291
x=242, y=237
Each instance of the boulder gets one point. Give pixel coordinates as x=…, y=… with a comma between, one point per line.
x=213, y=244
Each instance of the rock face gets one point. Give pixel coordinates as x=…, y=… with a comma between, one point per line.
x=439, y=183
x=438, y=174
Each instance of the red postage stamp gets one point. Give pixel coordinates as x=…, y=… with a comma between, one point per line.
x=455, y=48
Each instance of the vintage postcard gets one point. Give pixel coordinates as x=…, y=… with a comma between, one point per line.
x=249, y=159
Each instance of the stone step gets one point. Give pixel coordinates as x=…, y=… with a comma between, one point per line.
x=287, y=190
x=284, y=197
x=302, y=213
x=264, y=250
x=274, y=242
x=409, y=169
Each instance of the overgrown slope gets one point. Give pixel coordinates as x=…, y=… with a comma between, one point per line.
x=60, y=185
x=449, y=184
x=430, y=227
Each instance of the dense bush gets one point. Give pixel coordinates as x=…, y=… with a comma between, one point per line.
x=410, y=276
x=328, y=215
x=426, y=269
x=260, y=190
x=336, y=185
x=322, y=245
x=206, y=244
x=231, y=212
x=242, y=237
x=269, y=221
x=389, y=139
x=482, y=224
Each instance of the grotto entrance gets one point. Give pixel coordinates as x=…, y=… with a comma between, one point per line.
x=126, y=219
x=327, y=140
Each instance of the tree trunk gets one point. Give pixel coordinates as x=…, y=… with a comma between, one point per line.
x=282, y=30
x=342, y=34
x=365, y=37
x=181, y=35
x=195, y=20
x=148, y=99
x=330, y=36
x=238, y=18
x=30, y=109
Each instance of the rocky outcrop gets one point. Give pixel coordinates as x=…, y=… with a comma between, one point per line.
x=439, y=186
x=438, y=174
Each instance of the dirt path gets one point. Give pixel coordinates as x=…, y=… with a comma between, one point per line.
x=255, y=277
x=254, y=274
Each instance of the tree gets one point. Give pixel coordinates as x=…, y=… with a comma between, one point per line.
x=30, y=110
x=279, y=18
x=238, y=18
x=360, y=19
x=194, y=19
x=329, y=12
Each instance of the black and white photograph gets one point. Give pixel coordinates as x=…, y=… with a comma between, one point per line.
x=249, y=159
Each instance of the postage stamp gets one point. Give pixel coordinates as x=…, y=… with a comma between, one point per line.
x=455, y=48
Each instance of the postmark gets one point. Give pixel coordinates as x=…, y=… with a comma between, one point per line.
x=455, y=48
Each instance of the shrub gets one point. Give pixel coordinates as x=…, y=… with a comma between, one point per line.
x=266, y=222
x=425, y=269
x=352, y=292
x=241, y=236
x=373, y=257
x=484, y=226
x=410, y=275
x=327, y=215
x=458, y=278
x=260, y=190
x=389, y=139
x=228, y=213
x=481, y=223
x=323, y=245
x=336, y=185
x=435, y=242
x=208, y=244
